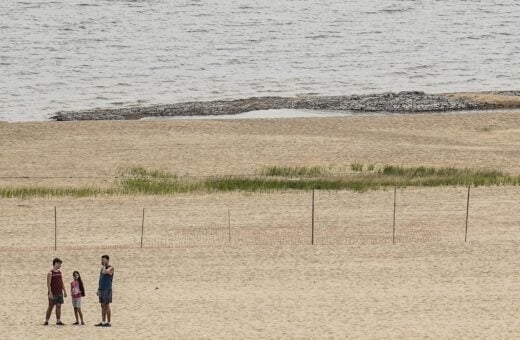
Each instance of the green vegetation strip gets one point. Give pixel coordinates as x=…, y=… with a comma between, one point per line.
x=140, y=181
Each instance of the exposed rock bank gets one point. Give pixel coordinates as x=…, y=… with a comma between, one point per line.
x=385, y=102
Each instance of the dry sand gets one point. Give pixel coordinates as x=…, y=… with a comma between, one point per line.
x=281, y=218
x=268, y=282
x=442, y=290
x=92, y=152
x=191, y=281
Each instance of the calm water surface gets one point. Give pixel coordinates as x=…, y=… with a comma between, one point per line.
x=79, y=54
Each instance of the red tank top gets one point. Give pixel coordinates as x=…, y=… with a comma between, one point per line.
x=56, y=283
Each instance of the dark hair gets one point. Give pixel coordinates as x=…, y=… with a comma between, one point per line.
x=81, y=287
x=105, y=257
x=56, y=260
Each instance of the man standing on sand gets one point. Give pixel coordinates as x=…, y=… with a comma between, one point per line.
x=104, y=292
x=55, y=291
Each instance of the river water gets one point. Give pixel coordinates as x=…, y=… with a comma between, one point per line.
x=81, y=54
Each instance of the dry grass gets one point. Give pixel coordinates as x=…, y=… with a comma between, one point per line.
x=140, y=181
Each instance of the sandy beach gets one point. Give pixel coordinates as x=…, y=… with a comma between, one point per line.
x=322, y=169
x=441, y=290
x=240, y=265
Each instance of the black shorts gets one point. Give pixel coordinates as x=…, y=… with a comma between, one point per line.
x=105, y=296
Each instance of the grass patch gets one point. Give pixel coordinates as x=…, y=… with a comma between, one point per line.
x=140, y=181
x=141, y=172
x=266, y=184
x=303, y=171
x=149, y=186
x=447, y=176
x=28, y=192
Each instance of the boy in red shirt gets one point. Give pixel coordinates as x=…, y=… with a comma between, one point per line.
x=56, y=292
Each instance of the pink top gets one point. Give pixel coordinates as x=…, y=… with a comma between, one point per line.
x=74, y=290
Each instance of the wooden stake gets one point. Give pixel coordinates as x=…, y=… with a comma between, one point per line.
x=55, y=230
x=312, y=224
x=467, y=216
x=393, y=225
x=229, y=225
x=142, y=230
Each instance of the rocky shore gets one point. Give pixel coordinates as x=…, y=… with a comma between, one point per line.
x=412, y=101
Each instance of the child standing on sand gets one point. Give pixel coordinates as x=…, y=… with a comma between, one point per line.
x=56, y=292
x=77, y=291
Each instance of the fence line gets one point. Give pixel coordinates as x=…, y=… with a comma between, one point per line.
x=327, y=229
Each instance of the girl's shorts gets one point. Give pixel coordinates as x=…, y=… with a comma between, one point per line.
x=76, y=303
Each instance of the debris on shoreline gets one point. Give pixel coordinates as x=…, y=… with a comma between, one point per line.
x=400, y=102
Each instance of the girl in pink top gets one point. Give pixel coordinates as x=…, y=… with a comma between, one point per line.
x=77, y=292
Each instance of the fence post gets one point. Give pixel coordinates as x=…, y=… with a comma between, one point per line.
x=55, y=229
x=229, y=225
x=142, y=230
x=393, y=224
x=467, y=215
x=312, y=223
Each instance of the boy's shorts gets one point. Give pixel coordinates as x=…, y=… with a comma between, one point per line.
x=76, y=302
x=105, y=296
x=56, y=299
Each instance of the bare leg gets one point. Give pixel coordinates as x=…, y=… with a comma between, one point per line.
x=103, y=312
x=109, y=313
x=80, y=315
x=76, y=314
x=49, y=310
x=58, y=311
